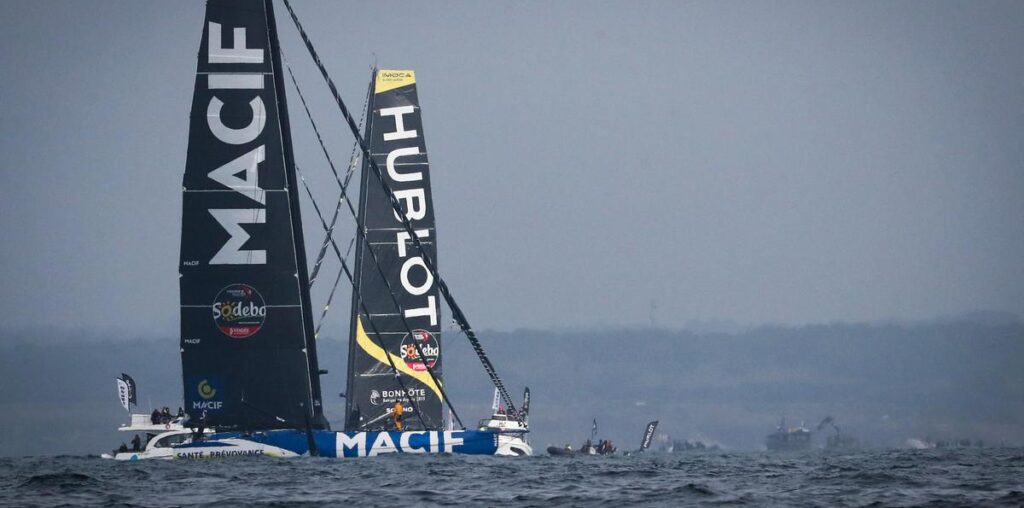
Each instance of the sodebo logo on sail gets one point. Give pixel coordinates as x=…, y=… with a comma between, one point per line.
x=246, y=164
x=239, y=311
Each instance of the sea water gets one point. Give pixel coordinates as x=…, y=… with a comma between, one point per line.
x=968, y=477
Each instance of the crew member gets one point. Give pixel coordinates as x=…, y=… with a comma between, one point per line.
x=201, y=427
x=396, y=414
x=155, y=417
x=136, y=443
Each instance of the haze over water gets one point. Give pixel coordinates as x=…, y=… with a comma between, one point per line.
x=799, y=162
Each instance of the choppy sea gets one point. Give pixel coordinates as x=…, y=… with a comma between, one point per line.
x=969, y=477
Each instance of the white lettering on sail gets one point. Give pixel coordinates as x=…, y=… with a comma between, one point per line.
x=236, y=136
x=402, y=236
x=235, y=81
x=249, y=186
x=403, y=177
x=415, y=203
x=236, y=53
x=407, y=285
x=429, y=311
x=231, y=220
x=400, y=132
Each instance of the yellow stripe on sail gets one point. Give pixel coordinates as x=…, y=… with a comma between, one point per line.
x=390, y=80
x=381, y=356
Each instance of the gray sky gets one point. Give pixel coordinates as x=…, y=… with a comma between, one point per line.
x=785, y=162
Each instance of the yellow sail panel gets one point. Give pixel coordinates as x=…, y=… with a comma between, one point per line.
x=381, y=356
x=392, y=79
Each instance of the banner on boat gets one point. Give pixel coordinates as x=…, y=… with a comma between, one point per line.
x=390, y=268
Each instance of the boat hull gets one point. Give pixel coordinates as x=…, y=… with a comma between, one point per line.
x=294, y=443
x=560, y=451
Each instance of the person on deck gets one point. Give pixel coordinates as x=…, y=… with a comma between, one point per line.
x=201, y=427
x=396, y=414
x=136, y=443
x=155, y=417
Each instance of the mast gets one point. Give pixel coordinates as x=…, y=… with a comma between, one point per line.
x=353, y=410
x=248, y=356
x=316, y=413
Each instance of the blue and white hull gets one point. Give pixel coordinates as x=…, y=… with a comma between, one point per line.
x=295, y=443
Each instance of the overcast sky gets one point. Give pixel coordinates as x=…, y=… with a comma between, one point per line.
x=784, y=162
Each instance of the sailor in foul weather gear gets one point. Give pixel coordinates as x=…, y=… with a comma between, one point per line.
x=396, y=414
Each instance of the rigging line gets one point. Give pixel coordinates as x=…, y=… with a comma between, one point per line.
x=362, y=304
x=353, y=158
x=330, y=297
x=330, y=162
x=373, y=255
x=445, y=292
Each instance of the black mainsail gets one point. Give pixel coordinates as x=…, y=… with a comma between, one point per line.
x=247, y=345
x=394, y=270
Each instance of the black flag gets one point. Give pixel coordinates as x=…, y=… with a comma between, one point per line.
x=132, y=392
x=126, y=391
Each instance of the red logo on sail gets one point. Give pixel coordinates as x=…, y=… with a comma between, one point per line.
x=428, y=344
x=239, y=311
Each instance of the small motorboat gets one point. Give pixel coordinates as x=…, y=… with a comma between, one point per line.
x=561, y=451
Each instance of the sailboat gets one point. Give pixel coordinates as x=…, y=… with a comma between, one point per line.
x=250, y=372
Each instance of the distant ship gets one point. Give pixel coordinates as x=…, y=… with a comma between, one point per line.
x=787, y=439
